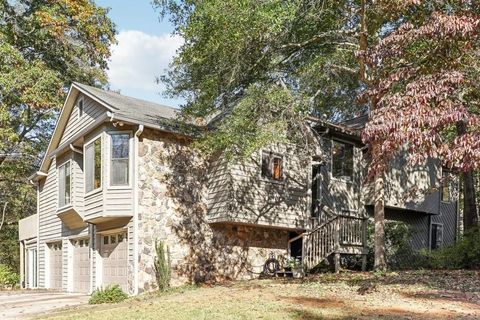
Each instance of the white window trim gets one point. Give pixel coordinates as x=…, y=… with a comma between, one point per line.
x=284, y=166
x=342, y=179
x=80, y=116
x=69, y=205
x=130, y=160
x=102, y=153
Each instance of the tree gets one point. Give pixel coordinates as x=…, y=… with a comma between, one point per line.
x=425, y=85
x=45, y=45
x=261, y=67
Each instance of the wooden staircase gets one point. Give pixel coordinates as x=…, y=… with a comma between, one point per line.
x=339, y=234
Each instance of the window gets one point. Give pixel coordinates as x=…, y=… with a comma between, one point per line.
x=445, y=189
x=119, y=167
x=272, y=166
x=64, y=184
x=437, y=236
x=93, y=165
x=342, y=160
x=80, y=108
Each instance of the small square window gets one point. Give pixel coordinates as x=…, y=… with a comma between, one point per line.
x=105, y=240
x=113, y=239
x=81, y=243
x=120, y=238
x=272, y=166
x=86, y=243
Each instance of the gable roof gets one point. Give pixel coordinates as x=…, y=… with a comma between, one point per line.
x=143, y=111
x=117, y=107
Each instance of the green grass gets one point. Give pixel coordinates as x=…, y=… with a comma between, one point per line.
x=344, y=296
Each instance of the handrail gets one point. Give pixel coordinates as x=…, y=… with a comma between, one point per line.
x=329, y=236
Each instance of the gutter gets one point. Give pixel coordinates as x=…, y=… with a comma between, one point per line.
x=75, y=149
x=136, y=208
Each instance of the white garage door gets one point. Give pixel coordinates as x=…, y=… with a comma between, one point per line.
x=81, y=265
x=56, y=266
x=114, y=254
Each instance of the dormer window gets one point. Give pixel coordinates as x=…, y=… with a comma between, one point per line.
x=80, y=108
x=272, y=166
x=64, y=184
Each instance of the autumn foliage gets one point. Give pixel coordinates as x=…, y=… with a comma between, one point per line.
x=424, y=86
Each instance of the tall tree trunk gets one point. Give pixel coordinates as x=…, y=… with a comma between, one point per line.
x=470, y=217
x=380, y=262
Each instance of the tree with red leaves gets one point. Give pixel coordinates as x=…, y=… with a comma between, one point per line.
x=424, y=90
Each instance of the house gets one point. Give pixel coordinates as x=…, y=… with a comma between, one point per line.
x=119, y=174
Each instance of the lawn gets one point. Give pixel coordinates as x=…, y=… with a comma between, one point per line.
x=404, y=295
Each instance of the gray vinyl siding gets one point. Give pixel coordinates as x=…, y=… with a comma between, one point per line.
x=338, y=194
x=239, y=194
x=50, y=227
x=410, y=187
x=417, y=221
x=91, y=111
x=78, y=182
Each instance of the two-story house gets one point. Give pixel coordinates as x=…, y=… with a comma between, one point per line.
x=118, y=175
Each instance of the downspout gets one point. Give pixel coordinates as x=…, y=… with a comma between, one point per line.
x=135, y=208
x=75, y=149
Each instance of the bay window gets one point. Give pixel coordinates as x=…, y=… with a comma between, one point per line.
x=93, y=165
x=120, y=158
x=64, y=184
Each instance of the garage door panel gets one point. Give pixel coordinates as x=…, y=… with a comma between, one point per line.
x=55, y=266
x=115, y=258
x=81, y=265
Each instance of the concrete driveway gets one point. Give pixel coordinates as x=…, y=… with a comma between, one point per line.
x=29, y=304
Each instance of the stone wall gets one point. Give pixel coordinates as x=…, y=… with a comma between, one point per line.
x=172, y=208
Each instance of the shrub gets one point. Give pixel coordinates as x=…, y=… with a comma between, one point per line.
x=8, y=278
x=464, y=254
x=162, y=266
x=399, y=253
x=110, y=294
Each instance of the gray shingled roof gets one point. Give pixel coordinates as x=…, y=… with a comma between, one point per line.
x=131, y=108
x=356, y=123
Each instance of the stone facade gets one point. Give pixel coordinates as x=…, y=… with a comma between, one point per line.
x=172, y=208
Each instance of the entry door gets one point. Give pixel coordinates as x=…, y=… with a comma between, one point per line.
x=114, y=253
x=56, y=266
x=32, y=268
x=81, y=265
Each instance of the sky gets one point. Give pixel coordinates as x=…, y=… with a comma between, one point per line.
x=144, y=49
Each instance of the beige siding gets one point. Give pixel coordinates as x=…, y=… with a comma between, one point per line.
x=50, y=227
x=91, y=111
x=411, y=187
x=28, y=227
x=238, y=193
